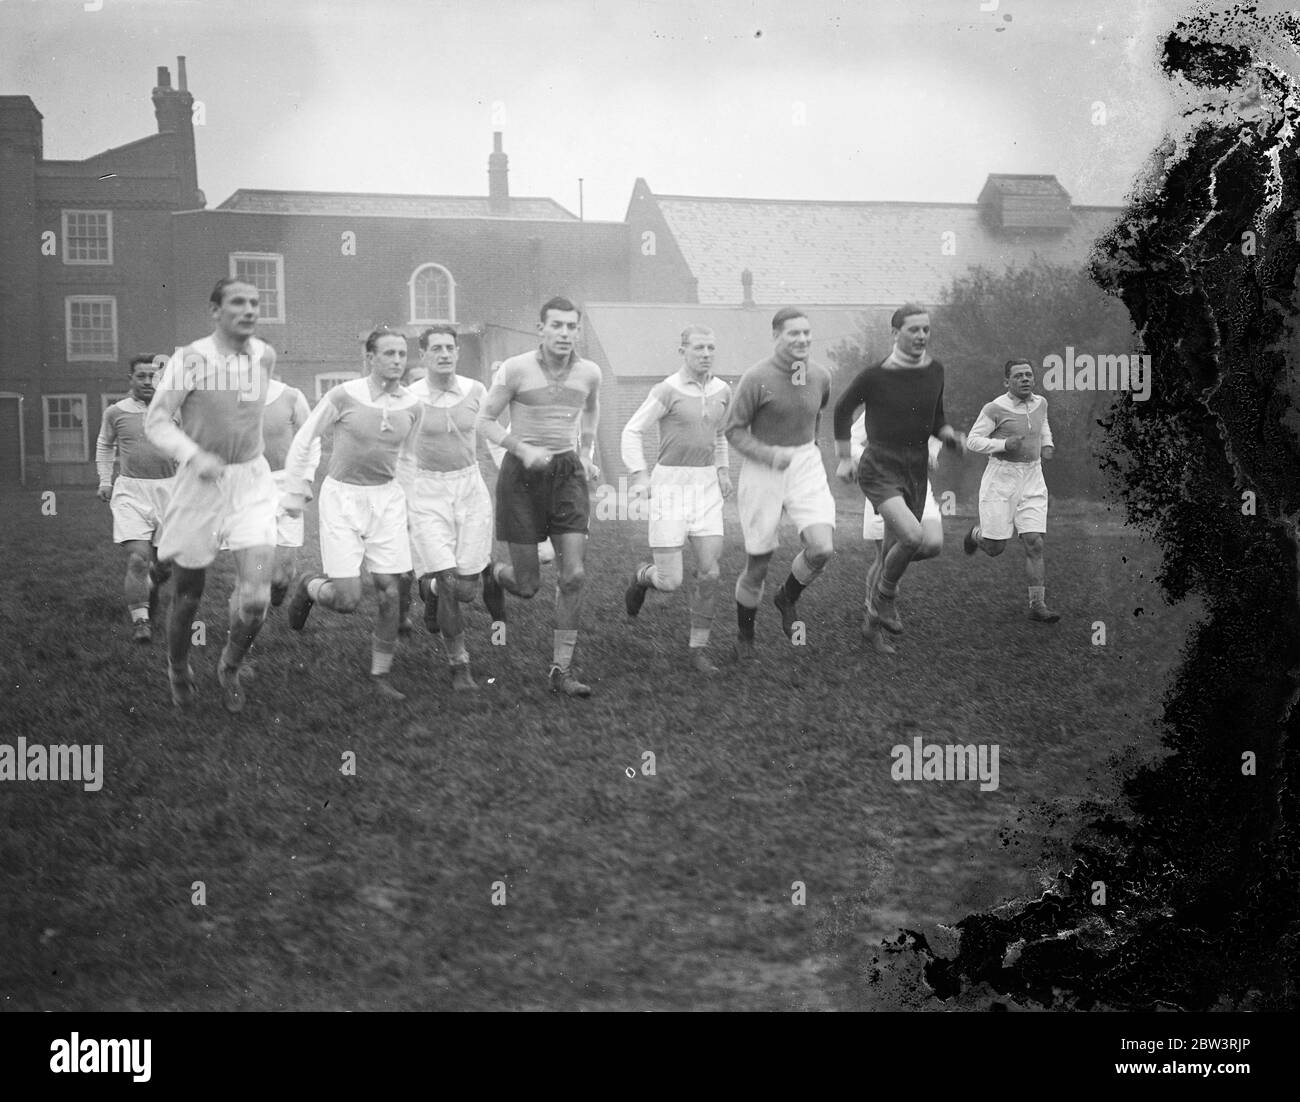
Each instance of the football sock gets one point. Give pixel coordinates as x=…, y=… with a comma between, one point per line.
x=139, y=613
x=457, y=655
x=1037, y=595
x=747, y=601
x=562, y=647
x=381, y=655
x=701, y=599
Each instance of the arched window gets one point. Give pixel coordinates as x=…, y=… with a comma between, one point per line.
x=433, y=294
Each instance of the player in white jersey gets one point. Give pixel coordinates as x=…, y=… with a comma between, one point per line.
x=286, y=412
x=139, y=499
x=1012, y=430
x=690, y=479
x=362, y=507
x=873, y=530
x=224, y=491
x=449, y=511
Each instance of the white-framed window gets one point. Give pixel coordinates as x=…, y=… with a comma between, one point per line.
x=65, y=428
x=433, y=295
x=87, y=237
x=327, y=380
x=90, y=327
x=265, y=271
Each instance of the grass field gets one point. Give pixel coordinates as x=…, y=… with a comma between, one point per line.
x=672, y=891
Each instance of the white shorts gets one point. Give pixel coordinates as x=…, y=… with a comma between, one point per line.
x=363, y=525
x=288, y=530
x=139, y=505
x=234, y=510
x=1013, y=498
x=801, y=491
x=873, y=525
x=450, y=518
x=684, y=501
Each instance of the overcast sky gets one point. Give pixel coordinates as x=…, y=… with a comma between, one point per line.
x=817, y=99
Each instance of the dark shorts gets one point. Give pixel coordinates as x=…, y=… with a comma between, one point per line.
x=892, y=472
x=534, y=505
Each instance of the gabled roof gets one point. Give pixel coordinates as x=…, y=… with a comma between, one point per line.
x=855, y=252
x=1038, y=187
x=367, y=204
x=640, y=340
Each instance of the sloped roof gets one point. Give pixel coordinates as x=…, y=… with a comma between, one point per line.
x=365, y=204
x=640, y=340
x=839, y=252
x=1045, y=187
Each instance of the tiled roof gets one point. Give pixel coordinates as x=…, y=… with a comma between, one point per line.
x=640, y=340
x=880, y=252
x=362, y=204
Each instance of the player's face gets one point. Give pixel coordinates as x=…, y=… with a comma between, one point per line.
x=1021, y=381
x=913, y=337
x=387, y=362
x=559, y=332
x=439, y=359
x=142, y=382
x=236, y=317
x=795, y=338
x=697, y=353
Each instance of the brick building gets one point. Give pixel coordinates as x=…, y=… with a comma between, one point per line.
x=86, y=279
x=117, y=254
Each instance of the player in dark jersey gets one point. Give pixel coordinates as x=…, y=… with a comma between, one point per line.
x=903, y=401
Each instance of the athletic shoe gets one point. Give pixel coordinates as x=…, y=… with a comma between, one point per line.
x=702, y=663
x=383, y=688
x=563, y=681
x=789, y=612
x=279, y=591
x=744, y=649
x=143, y=633
x=494, y=597
x=232, y=693
x=882, y=611
x=877, y=638
x=634, y=595
x=182, y=685
x=430, y=598
x=300, y=603
x=461, y=679
x=1043, y=615
x=969, y=543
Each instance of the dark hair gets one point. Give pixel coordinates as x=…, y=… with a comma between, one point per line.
x=372, y=341
x=152, y=361
x=559, y=302
x=904, y=312
x=448, y=330
x=1006, y=367
x=783, y=315
x=218, y=295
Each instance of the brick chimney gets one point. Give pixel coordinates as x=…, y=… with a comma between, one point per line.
x=747, y=287
x=174, y=109
x=498, y=178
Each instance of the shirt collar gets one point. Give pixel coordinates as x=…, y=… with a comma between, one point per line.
x=541, y=357
x=687, y=379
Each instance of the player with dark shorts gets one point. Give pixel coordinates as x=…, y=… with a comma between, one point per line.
x=903, y=401
x=542, y=489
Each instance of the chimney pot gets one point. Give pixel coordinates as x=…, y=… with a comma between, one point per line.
x=164, y=77
x=180, y=75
